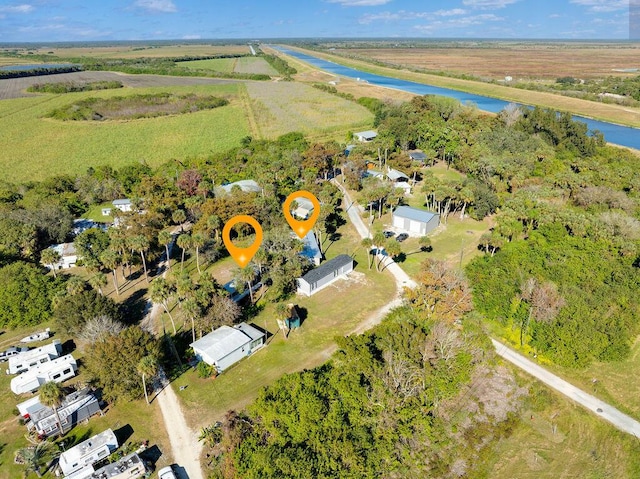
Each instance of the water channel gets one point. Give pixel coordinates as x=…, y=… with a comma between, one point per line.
x=618, y=134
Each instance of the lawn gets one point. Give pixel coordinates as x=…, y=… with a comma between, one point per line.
x=36, y=147
x=233, y=65
x=335, y=311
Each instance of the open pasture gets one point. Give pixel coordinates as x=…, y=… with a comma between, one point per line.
x=546, y=61
x=37, y=147
x=144, y=51
x=255, y=65
x=16, y=87
x=289, y=106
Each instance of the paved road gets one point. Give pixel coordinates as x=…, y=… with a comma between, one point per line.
x=614, y=416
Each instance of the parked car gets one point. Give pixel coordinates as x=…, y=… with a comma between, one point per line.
x=166, y=473
x=388, y=234
x=12, y=351
x=401, y=237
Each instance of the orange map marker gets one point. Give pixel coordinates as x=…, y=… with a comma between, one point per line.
x=302, y=227
x=242, y=256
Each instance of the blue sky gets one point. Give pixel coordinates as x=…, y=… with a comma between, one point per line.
x=82, y=20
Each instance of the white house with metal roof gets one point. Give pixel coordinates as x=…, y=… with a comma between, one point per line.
x=87, y=453
x=325, y=274
x=414, y=221
x=68, y=256
x=227, y=345
x=34, y=357
x=58, y=370
x=123, y=204
x=366, y=136
x=248, y=186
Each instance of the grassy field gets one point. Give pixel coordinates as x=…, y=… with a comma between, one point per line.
x=38, y=147
x=601, y=111
x=582, y=446
x=233, y=65
x=131, y=51
x=225, y=65
x=292, y=106
x=520, y=60
x=335, y=311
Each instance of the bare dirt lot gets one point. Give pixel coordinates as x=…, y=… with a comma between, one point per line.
x=518, y=60
x=16, y=87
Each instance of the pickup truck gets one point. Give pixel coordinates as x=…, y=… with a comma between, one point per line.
x=12, y=351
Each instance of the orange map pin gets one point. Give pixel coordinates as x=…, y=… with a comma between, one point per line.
x=308, y=211
x=242, y=256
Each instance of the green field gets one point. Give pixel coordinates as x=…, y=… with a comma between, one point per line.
x=233, y=65
x=225, y=65
x=37, y=147
x=292, y=106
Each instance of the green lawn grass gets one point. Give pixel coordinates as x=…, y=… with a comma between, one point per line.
x=37, y=147
x=95, y=213
x=225, y=65
x=335, y=311
x=254, y=65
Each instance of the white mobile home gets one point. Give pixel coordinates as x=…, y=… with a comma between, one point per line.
x=414, y=221
x=58, y=370
x=88, y=452
x=228, y=345
x=30, y=359
x=75, y=408
x=128, y=467
x=325, y=274
x=123, y=205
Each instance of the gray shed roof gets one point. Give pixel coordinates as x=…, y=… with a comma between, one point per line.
x=225, y=340
x=244, y=185
x=417, y=155
x=394, y=175
x=368, y=134
x=327, y=268
x=414, y=214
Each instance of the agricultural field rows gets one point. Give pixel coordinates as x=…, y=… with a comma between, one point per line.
x=256, y=65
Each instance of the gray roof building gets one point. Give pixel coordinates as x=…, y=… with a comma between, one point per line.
x=325, y=274
x=414, y=221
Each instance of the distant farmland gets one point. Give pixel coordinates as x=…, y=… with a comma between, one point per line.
x=147, y=51
x=233, y=65
x=35, y=147
x=15, y=87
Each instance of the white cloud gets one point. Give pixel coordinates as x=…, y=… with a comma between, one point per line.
x=155, y=6
x=450, y=13
x=488, y=4
x=360, y=3
x=463, y=22
x=24, y=8
x=603, y=6
x=191, y=37
x=555, y=15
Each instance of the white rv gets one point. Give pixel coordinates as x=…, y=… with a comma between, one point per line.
x=25, y=361
x=58, y=370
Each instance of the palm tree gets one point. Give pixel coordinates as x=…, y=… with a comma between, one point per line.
x=51, y=395
x=378, y=241
x=184, y=243
x=140, y=244
x=179, y=217
x=197, y=242
x=50, y=257
x=34, y=457
x=247, y=275
x=161, y=290
x=110, y=258
x=165, y=238
x=75, y=285
x=97, y=281
x=148, y=366
x=214, y=223
x=192, y=310
x=367, y=244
